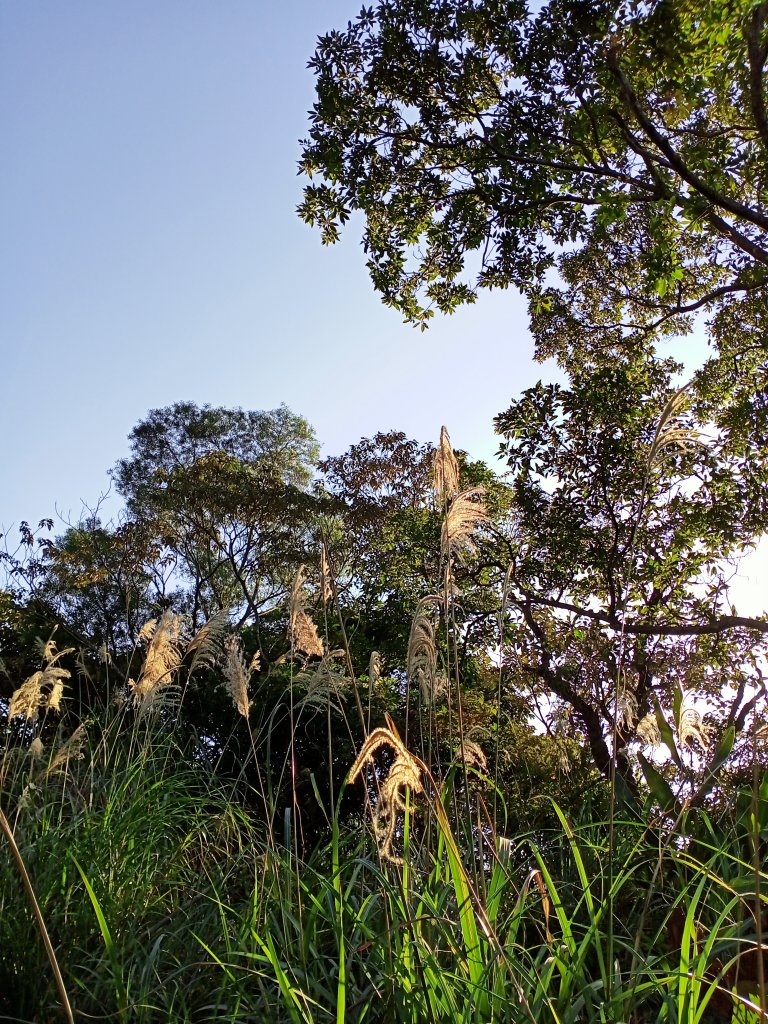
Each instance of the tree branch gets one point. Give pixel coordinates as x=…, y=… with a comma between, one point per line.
x=715, y=624
x=757, y=55
x=676, y=162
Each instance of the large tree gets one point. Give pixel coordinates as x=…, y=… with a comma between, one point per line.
x=628, y=509
x=225, y=494
x=487, y=141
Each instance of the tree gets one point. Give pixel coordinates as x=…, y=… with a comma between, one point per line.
x=387, y=553
x=627, y=511
x=626, y=145
x=224, y=491
x=101, y=582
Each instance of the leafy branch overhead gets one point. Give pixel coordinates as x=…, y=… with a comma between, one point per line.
x=485, y=143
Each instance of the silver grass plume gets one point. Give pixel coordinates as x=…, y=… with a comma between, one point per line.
x=472, y=755
x=70, y=750
x=421, y=662
x=324, y=683
x=669, y=431
x=208, y=643
x=465, y=513
x=44, y=689
x=445, y=470
x=690, y=725
x=326, y=590
x=303, y=631
x=627, y=708
x=162, y=659
x=647, y=730
x=404, y=773
x=374, y=669
x=237, y=675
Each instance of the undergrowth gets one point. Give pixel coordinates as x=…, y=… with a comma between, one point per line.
x=140, y=882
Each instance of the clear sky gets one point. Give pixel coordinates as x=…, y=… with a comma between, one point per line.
x=151, y=251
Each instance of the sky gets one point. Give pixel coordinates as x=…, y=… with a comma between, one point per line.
x=151, y=252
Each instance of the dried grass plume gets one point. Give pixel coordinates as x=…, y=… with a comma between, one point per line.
x=44, y=689
x=162, y=659
x=445, y=470
x=670, y=432
x=237, y=675
x=304, y=635
x=465, y=514
x=405, y=773
x=207, y=645
x=422, y=652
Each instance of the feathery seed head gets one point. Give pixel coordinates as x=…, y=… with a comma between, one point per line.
x=42, y=690
x=236, y=674
x=445, y=470
x=691, y=725
x=627, y=708
x=304, y=635
x=70, y=750
x=326, y=590
x=465, y=514
x=162, y=659
x=374, y=669
x=670, y=432
x=422, y=652
x=404, y=773
x=472, y=755
x=207, y=645
x=324, y=683
x=147, y=631
x=306, y=639
x=647, y=730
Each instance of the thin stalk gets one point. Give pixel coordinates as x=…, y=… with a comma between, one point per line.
x=756, y=868
x=6, y=828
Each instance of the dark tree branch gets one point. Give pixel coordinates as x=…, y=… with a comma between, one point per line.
x=676, y=162
x=715, y=624
x=757, y=52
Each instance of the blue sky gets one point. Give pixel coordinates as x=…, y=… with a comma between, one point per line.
x=151, y=251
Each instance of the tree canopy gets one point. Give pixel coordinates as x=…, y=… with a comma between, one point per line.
x=225, y=493
x=628, y=508
x=488, y=141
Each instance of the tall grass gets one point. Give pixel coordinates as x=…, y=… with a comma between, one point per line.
x=165, y=900
x=138, y=885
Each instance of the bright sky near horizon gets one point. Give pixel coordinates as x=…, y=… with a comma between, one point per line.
x=151, y=251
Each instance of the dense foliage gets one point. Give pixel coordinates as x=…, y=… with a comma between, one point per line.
x=625, y=144
x=390, y=736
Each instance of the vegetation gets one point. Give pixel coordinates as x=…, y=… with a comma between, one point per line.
x=390, y=737
x=186, y=807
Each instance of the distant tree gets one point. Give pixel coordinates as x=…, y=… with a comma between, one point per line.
x=102, y=581
x=225, y=494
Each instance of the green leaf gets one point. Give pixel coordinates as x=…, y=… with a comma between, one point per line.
x=657, y=784
x=723, y=749
x=666, y=733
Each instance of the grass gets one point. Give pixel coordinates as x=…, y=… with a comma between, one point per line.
x=140, y=883
x=164, y=900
